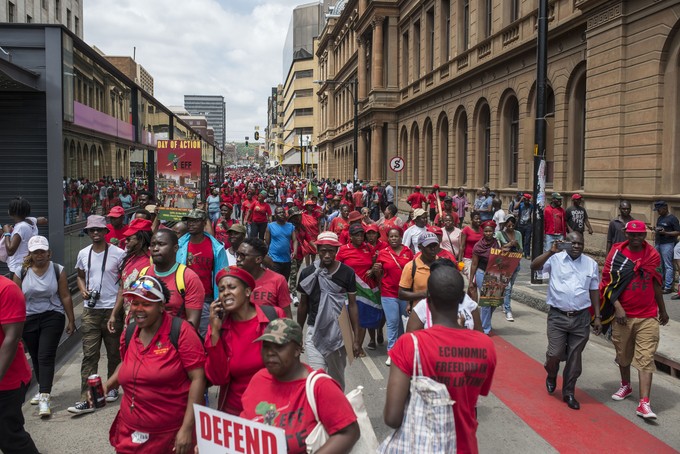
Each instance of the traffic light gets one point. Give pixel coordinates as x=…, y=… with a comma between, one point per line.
x=257, y=135
x=246, y=141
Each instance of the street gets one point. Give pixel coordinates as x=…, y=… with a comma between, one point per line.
x=518, y=415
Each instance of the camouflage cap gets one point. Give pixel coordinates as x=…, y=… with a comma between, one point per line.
x=281, y=331
x=195, y=214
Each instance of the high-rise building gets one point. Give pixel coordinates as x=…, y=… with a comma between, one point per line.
x=215, y=110
x=134, y=71
x=65, y=12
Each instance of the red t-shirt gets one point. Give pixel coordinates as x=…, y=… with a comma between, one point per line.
x=555, y=221
x=194, y=292
x=338, y=224
x=235, y=358
x=285, y=405
x=271, y=289
x=464, y=360
x=13, y=310
x=156, y=377
x=392, y=265
x=87, y=202
x=440, y=221
x=471, y=238
x=221, y=229
x=432, y=199
x=118, y=234
x=260, y=212
x=638, y=298
x=201, y=260
x=245, y=207
x=416, y=200
x=358, y=198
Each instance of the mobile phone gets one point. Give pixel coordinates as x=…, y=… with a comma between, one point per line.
x=564, y=246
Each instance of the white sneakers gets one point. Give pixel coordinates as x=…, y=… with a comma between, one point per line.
x=35, y=399
x=508, y=316
x=44, y=405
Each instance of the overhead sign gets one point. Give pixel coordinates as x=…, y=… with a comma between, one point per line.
x=221, y=433
x=397, y=164
x=178, y=171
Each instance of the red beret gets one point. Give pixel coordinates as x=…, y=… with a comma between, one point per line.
x=488, y=223
x=238, y=273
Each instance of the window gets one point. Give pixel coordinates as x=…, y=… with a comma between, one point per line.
x=68, y=19
x=514, y=10
x=404, y=59
x=29, y=19
x=446, y=30
x=43, y=3
x=416, y=50
x=76, y=29
x=487, y=145
x=514, y=143
x=304, y=73
x=488, y=19
x=465, y=25
x=429, y=37
x=465, y=150
x=304, y=112
x=57, y=10
x=303, y=93
x=11, y=17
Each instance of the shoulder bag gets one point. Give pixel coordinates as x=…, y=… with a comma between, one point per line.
x=367, y=442
x=428, y=426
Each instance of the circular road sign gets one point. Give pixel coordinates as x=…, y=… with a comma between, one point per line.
x=397, y=164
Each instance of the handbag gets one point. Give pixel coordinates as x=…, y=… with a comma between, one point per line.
x=428, y=426
x=3, y=249
x=367, y=442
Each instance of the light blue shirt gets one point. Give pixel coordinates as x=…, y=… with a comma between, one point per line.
x=571, y=281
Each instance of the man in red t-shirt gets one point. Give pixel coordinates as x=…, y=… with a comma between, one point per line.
x=14, y=371
x=117, y=227
x=271, y=287
x=555, y=221
x=464, y=360
x=637, y=301
x=416, y=199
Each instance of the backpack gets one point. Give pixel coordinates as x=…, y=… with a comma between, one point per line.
x=269, y=312
x=175, y=328
x=55, y=266
x=179, y=277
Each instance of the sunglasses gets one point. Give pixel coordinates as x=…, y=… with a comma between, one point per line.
x=149, y=289
x=95, y=229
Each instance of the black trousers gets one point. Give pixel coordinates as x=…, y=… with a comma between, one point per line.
x=283, y=268
x=41, y=336
x=257, y=230
x=13, y=437
x=567, y=337
x=526, y=231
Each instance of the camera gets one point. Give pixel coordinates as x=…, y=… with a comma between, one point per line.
x=94, y=297
x=564, y=246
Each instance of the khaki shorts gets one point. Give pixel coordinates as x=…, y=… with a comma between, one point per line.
x=636, y=343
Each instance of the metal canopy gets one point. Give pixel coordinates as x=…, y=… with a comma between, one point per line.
x=16, y=78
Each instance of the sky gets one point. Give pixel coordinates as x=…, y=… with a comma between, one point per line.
x=231, y=48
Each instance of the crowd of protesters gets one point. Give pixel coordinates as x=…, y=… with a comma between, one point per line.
x=209, y=300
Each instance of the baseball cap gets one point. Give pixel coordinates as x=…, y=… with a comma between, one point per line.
x=418, y=212
x=442, y=194
x=372, y=228
x=194, y=214
x=356, y=228
x=238, y=273
x=327, y=239
x=138, y=225
x=659, y=203
x=576, y=197
x=281, y=331
x=38, y=243
x=237, y=228
x=427, y=238
x=635, y=227
x=116, y=212
x=147, y=288
x=293, y=211
x=527, y=196
x=448, y=199
x=557, y=196
x=289, y=200
x=436, y=186
x=417, y=186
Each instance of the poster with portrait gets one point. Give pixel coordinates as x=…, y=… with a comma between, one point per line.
x=178, y=175
x=498, y=273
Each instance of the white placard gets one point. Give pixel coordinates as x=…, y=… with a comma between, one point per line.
x=221, y=433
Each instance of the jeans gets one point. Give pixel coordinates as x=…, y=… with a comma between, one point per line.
x=94, y=330
x=485, y=312
x=71, y=215
x=665, y=250
x=394, y=309
x=549, y=239
x=205, y=316
x=214, y=216
x=526, y=231
x=508, y=291
x=13, y=437
x=237, y=211
x=41, y=336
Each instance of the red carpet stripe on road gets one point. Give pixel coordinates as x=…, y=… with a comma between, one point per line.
x=519, y=382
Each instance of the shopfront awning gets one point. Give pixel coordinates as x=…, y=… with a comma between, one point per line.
x=16, y=78
x=292, y=159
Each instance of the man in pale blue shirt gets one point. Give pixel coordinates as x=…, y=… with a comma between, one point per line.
x=573, y=289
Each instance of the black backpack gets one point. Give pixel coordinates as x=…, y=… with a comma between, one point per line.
x=175, y=328
x=55, y=266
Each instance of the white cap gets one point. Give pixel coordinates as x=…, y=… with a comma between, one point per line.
x=289, y=200
x=38, y=243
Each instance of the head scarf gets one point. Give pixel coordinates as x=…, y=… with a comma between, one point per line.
x=483, y=247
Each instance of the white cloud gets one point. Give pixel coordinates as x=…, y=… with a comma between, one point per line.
x=230, y=48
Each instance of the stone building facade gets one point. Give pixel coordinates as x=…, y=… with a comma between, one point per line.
x=450, y=86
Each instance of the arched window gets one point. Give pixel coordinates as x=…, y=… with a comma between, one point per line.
x=443, y=148
x=577, y=129
x=511, y=140
x=428, y=161
x=462, y=148
x=415, y=155
x=484, y=144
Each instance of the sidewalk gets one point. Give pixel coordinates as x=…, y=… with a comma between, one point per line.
x=668, y=353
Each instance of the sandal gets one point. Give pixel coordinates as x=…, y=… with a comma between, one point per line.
x=371, y=346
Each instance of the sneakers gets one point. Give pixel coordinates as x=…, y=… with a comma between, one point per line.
x=388, y=361
x=296, y=301
x=81, y=408
x=35, y=400
x=44, y=405
x=508, y=316
x=112, y=395
x=623, y=392
x=644, y=410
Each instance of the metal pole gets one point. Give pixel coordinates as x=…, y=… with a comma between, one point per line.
x=356, y=129
x=396, y=191
x=540, y=135
x=302, y=159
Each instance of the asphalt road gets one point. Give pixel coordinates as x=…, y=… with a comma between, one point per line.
x=517, y=417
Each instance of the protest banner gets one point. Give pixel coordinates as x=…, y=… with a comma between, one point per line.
x=221, y=433
x=172, y=214
x=498, y=273
x=178, y=172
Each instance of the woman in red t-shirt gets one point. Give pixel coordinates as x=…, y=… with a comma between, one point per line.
x=468, y=238
x=235, y=322
x=390, y=221
x=372, y=238
x=220, y=228
x=260, y=214
x=278, y=393
x=388, y=267
x=161, y=378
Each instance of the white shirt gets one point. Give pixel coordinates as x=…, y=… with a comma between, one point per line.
x=499, y=218
x=411, y=235
x=231, y=258
x=108, y=286
x=451, y=240
x=389, y=193
x=25, y=231
x=465, y=309
x=571, y=281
